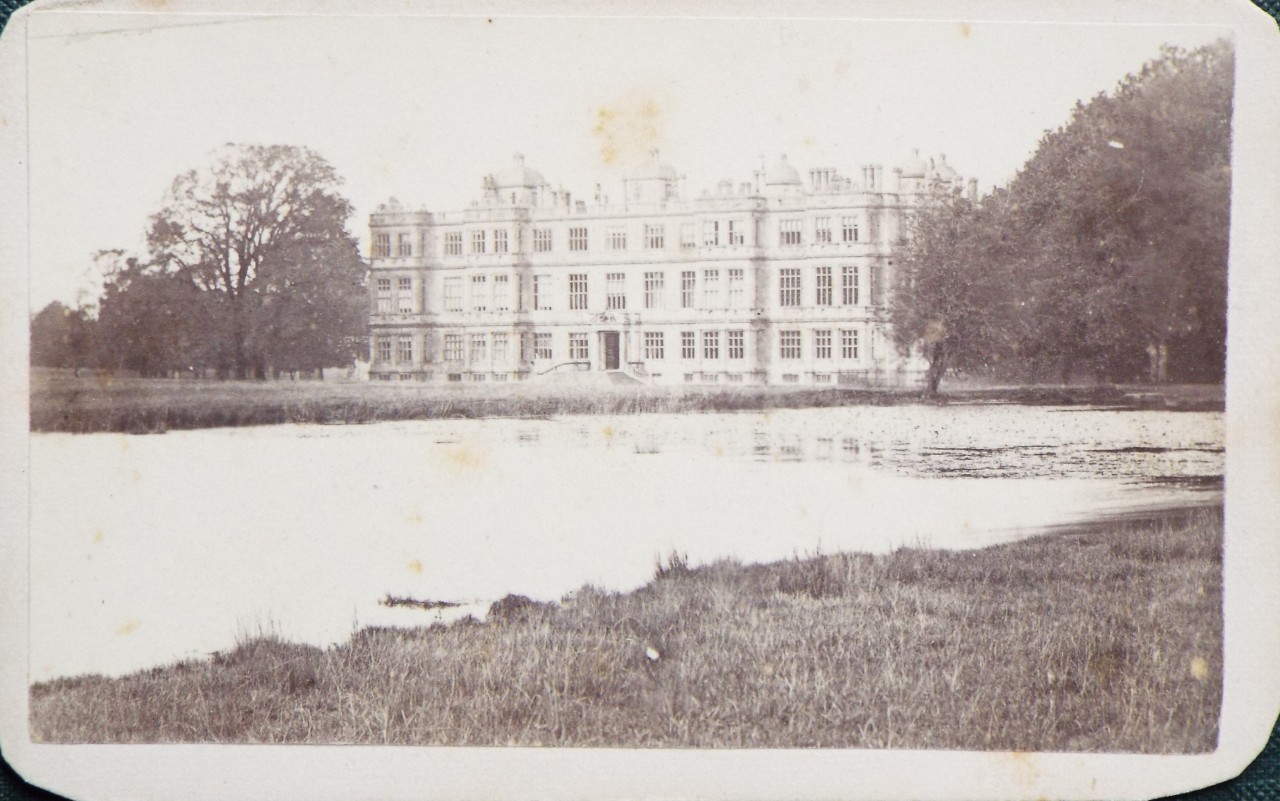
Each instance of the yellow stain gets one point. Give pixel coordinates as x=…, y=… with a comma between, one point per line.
x=127, y=628
x=965, y=30
x=608, y=433
x=629, y=128
x=1199, y=668
x=415, y=566
x=464, y=459
x=98, y=537
x=414, y=517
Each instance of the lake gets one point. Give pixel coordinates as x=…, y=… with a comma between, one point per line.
x=148, y=549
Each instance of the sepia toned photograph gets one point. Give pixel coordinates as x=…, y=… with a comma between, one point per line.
x=541, y=380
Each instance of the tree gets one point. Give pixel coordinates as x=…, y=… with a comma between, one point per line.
x=952, y=299
x=1125, y=214
x=152, y=321
x=261, y=235
x=61, y=337
x=1108, y=251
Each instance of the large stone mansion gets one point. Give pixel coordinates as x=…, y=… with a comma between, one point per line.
x=772, y=281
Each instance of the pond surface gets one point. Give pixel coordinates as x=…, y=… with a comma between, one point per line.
x=147, y=549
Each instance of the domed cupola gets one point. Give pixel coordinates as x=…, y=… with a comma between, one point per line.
x=915, y=167
x=781, y=173
x=946, y=173
x=653, y=180
x=518, y=176
x=654, y=168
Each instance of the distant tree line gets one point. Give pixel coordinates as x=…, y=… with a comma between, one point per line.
x=1105, y=257
x=250, y=272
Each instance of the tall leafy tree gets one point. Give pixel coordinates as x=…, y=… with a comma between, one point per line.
x=153, y=322
x=1125, y=212
x=261, y=234
x=951, y=301
x=1107, y=253
x=61, y=337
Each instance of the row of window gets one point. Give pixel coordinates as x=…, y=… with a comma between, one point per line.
x=711, y=288
x=479, y=348
x=402, y=300
x=713, y=233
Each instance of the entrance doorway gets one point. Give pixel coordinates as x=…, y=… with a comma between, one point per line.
x=612, y=351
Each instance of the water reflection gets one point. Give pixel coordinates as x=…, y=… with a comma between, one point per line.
x=470, y=510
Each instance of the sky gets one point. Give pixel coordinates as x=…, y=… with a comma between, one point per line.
x=421, y=108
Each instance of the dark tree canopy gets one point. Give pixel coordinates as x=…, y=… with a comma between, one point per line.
x=1106, y=254
x=61, y=337
x=261, y=238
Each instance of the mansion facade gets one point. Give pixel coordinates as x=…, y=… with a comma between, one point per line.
x=772, y=281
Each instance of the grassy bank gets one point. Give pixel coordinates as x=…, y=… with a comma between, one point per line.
x=61, y=402
x=1105, y=637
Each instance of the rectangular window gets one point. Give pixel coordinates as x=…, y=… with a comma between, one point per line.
x=526, y=347
x=453, y=243
x=789, y=344
x=711, y=233
x=453, y=294
x=848, y=343
x=542, y=347
x=789, y=232
x=653, y=345
x=452, y=347
x=655, y=237
x=404, y=350
x=736, y=343
x=479, y=292
x=499, y=240
x=822, y=344
x=688, y=281
x=542, y=293
x=477, y=241
x=384, y=350
x=577, y=239
x=653, y=290
x=615, y=288
x=822, y=229
x=710, y=289
x=688, y=345
x=737, y=295
x=823, y=286
x=405, y=245
x=478, y=348
x=849, y=229
x=735, y=232
x=734, y=378
x=789, y=286
x=617, y=237
x=711, y=344
x=849, y=285
x=477, y=378
x=577, y=291
x=381, y=246
x=578, y=347
x=404, y=297
x=384, y=296
x=502, y=293
x=687, y=240
x=542, y=240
